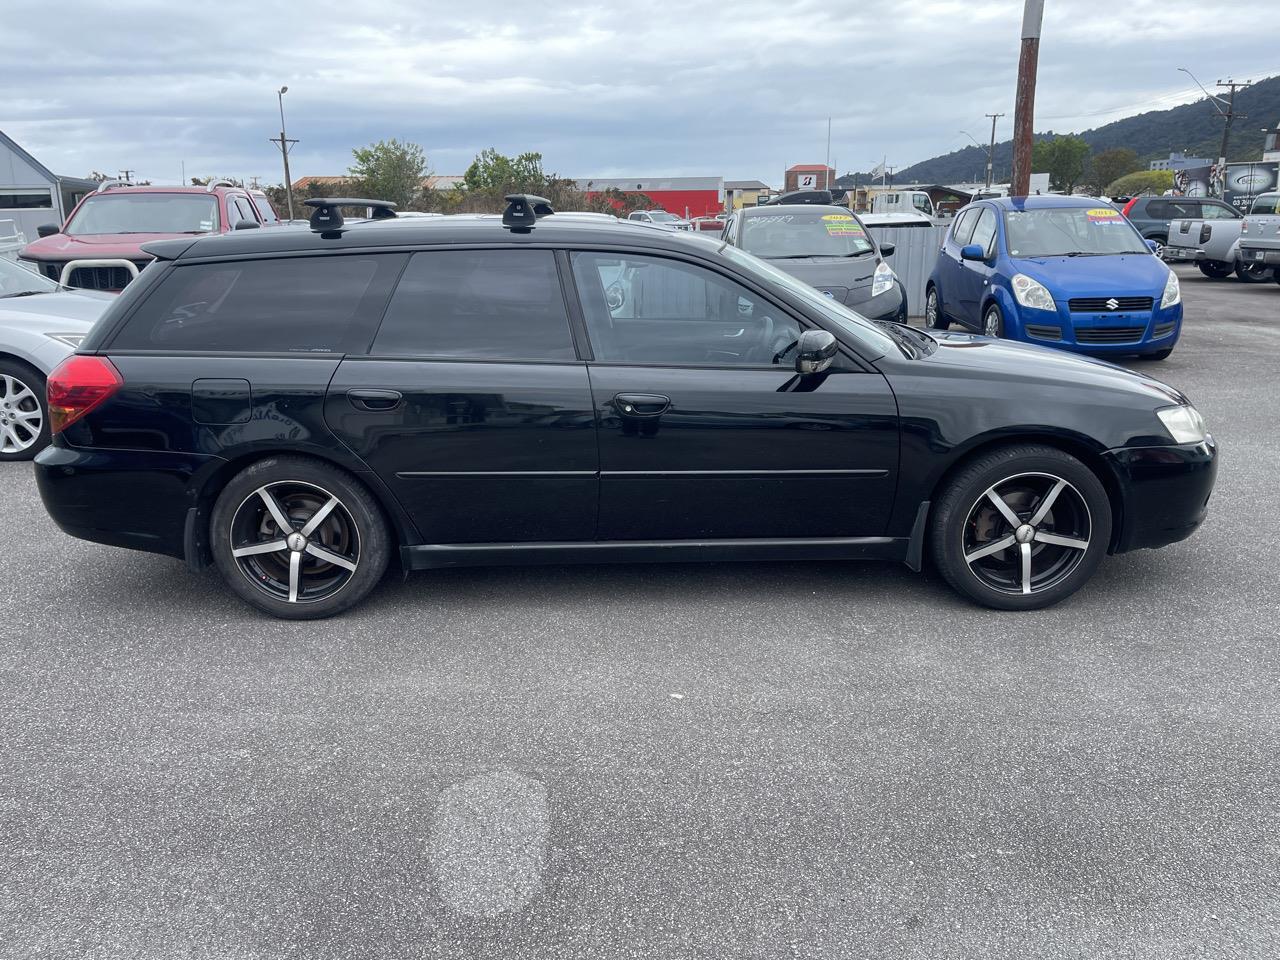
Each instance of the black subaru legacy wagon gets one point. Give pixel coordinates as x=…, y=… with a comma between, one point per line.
x=302, y=408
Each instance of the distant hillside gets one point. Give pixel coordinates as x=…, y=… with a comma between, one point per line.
x=1193, y=128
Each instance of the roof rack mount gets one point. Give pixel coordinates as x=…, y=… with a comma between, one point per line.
x=523, y=211
x=327, y=218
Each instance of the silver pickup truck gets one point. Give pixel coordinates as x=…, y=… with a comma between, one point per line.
x=1260, y=237
x=1212, y=243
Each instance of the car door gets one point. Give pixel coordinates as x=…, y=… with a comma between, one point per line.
x=471, y=403
x=706, y=431
x=949, y=262
x=974, y=276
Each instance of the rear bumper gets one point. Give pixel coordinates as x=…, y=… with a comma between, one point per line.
x=1183, y=254
x=124, y=498
x=1164, y=492
x=1265, y=255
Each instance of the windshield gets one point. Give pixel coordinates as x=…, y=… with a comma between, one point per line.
x=857, y=325
x=660, y=215
x=145, y=213
x=1071, y=231
x=17, y=280
x=804, y=233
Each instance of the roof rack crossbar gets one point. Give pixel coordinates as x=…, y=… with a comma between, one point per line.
x=214, y=184
x=108, y=184
x=327, y=218
x=523, y=211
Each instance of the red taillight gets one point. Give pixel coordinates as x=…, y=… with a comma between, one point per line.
x=78, y=385
x=1128, y=206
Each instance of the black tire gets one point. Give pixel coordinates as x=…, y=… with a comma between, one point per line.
x=965, y=522
x=1254, y=273
x=1158, y=355
x=24, y=412
x=934, y=317
x=351, y=531
x=1215, y=269
x=993, y=321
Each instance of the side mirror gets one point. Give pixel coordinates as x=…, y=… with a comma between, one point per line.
x=1153, y=246
x=973, y=251
x=814, y=351
x=247, y=224
x=886, y=249
x=47, y=229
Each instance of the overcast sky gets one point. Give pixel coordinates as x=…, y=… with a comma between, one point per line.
x=732, y=88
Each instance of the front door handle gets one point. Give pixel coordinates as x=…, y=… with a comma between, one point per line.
x=641, y=404
x=378, y=400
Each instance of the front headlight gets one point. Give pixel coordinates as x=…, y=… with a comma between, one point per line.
x=72, y=340
x=1184, y=423
x=1031, y=293
x=882, y=282
x=1172, y=292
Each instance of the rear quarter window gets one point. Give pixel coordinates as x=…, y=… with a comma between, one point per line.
x=323, y=304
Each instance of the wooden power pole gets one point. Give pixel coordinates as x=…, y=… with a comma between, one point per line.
x=1025, y=106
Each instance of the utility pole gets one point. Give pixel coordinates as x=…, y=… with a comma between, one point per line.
x=1228, y=117
x=1025, y=106
x=826, y=173
x=991, y=152
x=285, y=145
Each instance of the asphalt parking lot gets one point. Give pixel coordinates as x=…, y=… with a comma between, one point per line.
x=801, y=760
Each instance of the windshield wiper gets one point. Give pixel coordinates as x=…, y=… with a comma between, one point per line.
x=24, y=293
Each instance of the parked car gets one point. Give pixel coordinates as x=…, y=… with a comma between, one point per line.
x=1213, y=243
x=828, y=248
x=1152, y=215
x=106, y=231
x=1068, y=272
x=41, y=324
x=304, y=408
x=1260, y=236
x=660, y=218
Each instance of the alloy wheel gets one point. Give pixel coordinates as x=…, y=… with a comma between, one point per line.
x=21, y=416
x=295, y=541
x=1027, y=533
x=991, y=324
x=931, y=308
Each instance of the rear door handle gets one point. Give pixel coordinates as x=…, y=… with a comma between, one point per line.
x=380, y=400
x=641, y=404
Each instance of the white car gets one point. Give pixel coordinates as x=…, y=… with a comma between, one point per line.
x=41, y=323
x=660, y=218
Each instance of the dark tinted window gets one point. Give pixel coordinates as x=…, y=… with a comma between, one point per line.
x=1151, y=209
x=297, y=305
x=649, y=310
x=478, y=304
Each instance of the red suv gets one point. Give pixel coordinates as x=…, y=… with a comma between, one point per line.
x=103, y=237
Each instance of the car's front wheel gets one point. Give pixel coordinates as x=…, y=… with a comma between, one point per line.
x=1020, y=528
x=298, y=538
x=993, y=321
x=934, y=318
x=24, y=414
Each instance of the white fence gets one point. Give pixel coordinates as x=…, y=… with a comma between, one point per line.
x=913, y=260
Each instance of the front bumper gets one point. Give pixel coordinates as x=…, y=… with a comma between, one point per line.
x=1164, y=492
x=890, y=305
x=1144, y=331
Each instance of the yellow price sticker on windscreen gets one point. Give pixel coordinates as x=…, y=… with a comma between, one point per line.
x=837, y=216
x=1103, y=213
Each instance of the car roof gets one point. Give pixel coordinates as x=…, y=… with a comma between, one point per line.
x=204, y=191
x=395, y=233
x=1044, y=202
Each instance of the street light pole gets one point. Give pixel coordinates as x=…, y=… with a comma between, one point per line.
x=285, y=145
x=1025, y=105
x=991, y=152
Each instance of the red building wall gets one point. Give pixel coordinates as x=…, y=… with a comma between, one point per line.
x=700, y=203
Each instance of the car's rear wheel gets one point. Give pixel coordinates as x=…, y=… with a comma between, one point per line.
x=993, y=321
x=1021, y=528
x=1215, y=269
x=934, y=318
x=298, y=538
x=1254, y=272
x=24, y=414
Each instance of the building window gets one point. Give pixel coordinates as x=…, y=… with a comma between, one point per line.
x=26, y=198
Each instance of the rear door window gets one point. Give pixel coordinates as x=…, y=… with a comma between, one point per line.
x=322, y=304
x=478, y=305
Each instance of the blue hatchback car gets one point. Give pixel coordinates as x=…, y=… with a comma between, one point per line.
x=1066, y=272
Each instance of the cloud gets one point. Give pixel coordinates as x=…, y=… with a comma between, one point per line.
x=694, y=87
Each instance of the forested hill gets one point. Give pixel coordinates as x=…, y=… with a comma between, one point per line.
x=1193, y=128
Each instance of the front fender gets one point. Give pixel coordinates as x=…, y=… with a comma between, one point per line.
x=1002, y=296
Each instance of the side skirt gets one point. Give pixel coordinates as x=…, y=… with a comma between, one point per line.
x=436, y=555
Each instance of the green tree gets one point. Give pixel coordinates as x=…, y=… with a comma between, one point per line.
x=1110, y=165
x=389, y=170
x=1063, y=158
x=1142, y=183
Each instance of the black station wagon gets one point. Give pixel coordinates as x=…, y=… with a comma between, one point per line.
x=305, y=408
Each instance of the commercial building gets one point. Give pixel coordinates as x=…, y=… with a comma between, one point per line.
x=808, y=176
x=31, y=195
x=745, y=193
x=1180, y=161
x=683, y=196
